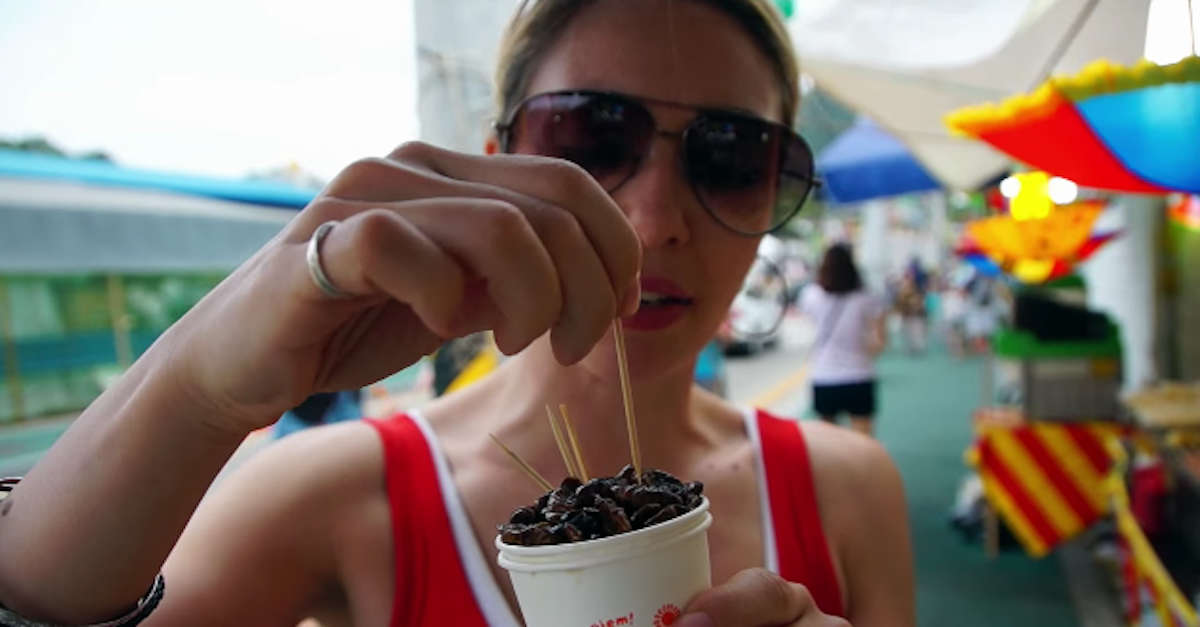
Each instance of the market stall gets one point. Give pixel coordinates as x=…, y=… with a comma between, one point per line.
x=1060, y=448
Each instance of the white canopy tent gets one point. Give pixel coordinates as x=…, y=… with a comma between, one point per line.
x=61, y=227
x=907, y=63
x=456, y=55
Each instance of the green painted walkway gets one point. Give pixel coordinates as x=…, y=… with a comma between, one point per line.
x=925, y=422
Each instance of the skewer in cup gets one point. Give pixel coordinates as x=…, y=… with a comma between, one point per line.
x=533, y=474
x=561, y=440
x=627, y=394
x=574, y=441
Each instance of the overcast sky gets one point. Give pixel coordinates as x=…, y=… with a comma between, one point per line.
x=226, y=87
x=211, y=86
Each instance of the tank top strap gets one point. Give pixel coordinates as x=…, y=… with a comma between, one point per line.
x=432, y=587
x=800, y=541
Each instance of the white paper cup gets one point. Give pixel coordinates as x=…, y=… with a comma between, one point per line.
x=643, y=578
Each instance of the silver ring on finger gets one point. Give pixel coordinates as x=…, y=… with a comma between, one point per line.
x=315, y=269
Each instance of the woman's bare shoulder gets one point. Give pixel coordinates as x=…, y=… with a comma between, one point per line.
x=336, y=442
x=848, y=463
x=857, y=483
x=863, y=510
x=271, y=536
x=347, y=456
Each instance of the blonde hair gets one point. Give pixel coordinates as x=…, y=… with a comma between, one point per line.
x=538, y=24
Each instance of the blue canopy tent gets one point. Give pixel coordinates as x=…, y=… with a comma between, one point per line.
x=866, y=162
x=34, y=166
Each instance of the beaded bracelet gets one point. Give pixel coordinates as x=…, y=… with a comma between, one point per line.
x=145, y=605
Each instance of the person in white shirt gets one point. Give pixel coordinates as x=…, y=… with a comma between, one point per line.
x=851, y=333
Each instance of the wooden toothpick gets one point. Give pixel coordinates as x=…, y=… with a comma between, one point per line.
x=579, y=465
x=568, y=460
x=630, y=419
x=533, y=474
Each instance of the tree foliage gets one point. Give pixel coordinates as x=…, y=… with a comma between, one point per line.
x=42, y=146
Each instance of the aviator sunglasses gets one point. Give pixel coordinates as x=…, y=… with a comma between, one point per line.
x=750, y=174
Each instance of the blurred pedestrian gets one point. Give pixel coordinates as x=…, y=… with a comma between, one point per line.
x=985, y=311
x=454, y=357
x=954, y=314
x=319, y=409
x=851, y=333
x=919, y=275
x=910, y=304
x=710, y=369
x=796, y=273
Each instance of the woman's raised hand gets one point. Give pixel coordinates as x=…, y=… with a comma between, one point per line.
x=430, y=245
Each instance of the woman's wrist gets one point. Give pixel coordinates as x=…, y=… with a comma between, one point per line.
x=165, y=378
x=144, y=607
x=139, y=460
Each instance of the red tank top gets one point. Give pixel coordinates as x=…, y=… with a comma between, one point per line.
x=432, y=586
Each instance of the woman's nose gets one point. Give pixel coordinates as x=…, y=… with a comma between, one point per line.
x=656, y=197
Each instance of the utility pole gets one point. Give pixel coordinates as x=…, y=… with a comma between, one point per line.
x=456, y=52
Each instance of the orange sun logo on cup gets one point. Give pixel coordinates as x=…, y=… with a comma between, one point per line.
x=666, y=615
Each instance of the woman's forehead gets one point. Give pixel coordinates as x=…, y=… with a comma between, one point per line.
x=672, y=50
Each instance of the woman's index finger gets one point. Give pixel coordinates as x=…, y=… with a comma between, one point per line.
x=555, y=181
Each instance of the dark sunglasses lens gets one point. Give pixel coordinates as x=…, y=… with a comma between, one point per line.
x=751, y=174
x=604, y=135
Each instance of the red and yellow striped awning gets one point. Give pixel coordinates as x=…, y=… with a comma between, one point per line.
x=1045, y=480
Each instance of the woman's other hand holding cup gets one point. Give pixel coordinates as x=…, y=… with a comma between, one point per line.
x=756, y=598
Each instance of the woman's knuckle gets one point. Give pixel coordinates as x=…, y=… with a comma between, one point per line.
x=414, y=150
x=567, y=179
x=356, y=175
x=776, y=591
x=608, y=303
x=323, y=207
x=797, y=591
x=371, y=234
x=368, y=167
x=373, y=222
x=780, y=591
x=502, y=221
x=627, y=265
x=561, y=224
x=319, y=210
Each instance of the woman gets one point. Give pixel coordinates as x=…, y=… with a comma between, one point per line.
x=851, y=332
x=348, y=523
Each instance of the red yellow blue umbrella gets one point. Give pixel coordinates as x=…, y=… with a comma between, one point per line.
x=1037, y=240
x=1129, y=129
x=1042, y=249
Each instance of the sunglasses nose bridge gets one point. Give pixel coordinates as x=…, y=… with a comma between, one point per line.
x=648, y=150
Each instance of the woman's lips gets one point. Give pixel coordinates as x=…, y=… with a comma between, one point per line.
x=663, y=286
x=663, y=304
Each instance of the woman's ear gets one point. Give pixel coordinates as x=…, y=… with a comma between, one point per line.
x=492, y=145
